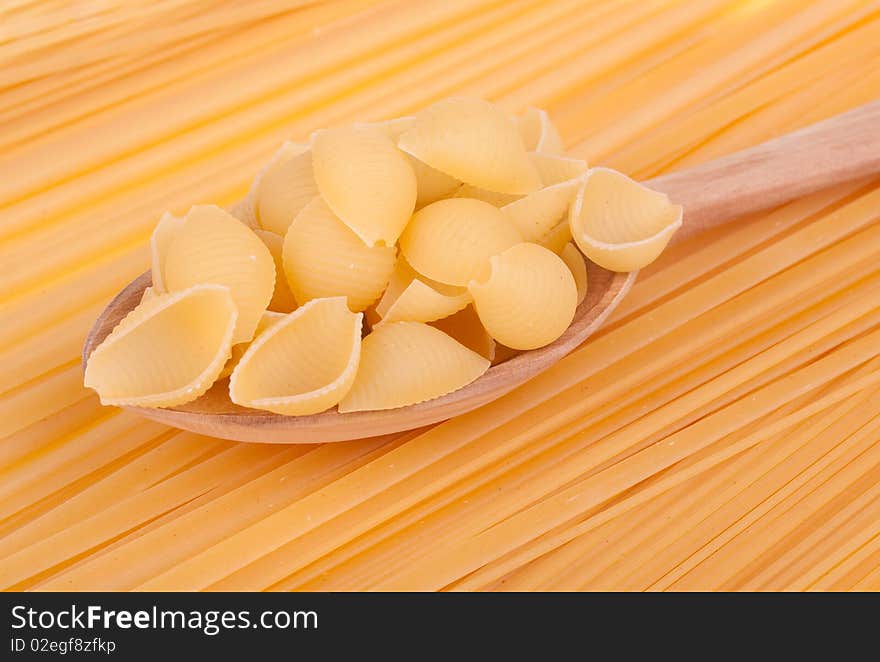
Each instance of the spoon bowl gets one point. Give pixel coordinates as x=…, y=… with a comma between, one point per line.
x=841, y=149
x=215, y=415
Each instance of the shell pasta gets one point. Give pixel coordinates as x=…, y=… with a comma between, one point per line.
x=286, y=187
x=431, y=184
x=160, y=240
x=538, y=133
x=557, y=238
x=367, y=182
x=324, y=258
x=451, y=240
x=247, y=210
x=303, y=363
x=620, y=224
x=391, y=128
x=536, y=214
x=553, y=168
x=212, y=246
x=404, y=363
x=473, y=141
x=268, y=319
x=415, y=298
x=282, y=300
x=528, y=298
x=578, y=268
x=492, y=197
x=380, y=265
x=167, y=351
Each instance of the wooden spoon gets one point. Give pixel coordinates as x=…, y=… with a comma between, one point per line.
x=838, y=150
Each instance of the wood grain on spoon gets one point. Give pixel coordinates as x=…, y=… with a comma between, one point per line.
x=838, y=150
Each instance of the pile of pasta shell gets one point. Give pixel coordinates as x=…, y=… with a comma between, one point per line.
x=378, y=266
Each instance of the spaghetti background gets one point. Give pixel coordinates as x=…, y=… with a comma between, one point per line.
x=720, y=432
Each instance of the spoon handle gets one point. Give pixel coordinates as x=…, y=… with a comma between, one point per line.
x=840, y=149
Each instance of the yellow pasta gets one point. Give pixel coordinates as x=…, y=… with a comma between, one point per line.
x=529, y=125
x=620, y=224
x=538, y=133
x=493, y=198
x=528, y=297
x=420, y=302
x=556, y=239
x=268, y=319
x=431, y=184
x=324, y=258
x=160, y=240
x=367, y=182
x=214, y=247
x=247, y=210
x=554, y=169
x=101, y=500
x=536, y=214
x=474, y=142
x=283, y=300
x=465, y=327
x=401, y=276
x=167, y=351
x=286, y=187
x=302, y=364
x=404, y=363
x=575, y=262
x=149, y=293
x=411, y=297
x=391, y=128
x=449, y=241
